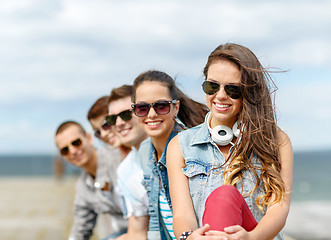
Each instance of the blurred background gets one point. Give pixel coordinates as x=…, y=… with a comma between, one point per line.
x=57, y=57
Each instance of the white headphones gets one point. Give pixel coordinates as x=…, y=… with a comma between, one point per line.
x=221, y=134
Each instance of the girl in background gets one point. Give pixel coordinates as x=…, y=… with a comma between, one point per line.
x=157, y=104
x=231, y=177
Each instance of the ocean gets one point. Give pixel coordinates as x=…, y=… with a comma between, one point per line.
x=32, y=165
x=311, y=177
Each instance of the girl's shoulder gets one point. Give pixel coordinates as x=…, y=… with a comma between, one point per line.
x=190, y=131
x=283, y=138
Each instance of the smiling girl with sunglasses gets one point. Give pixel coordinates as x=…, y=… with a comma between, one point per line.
x=231, y=177
x=157, y=104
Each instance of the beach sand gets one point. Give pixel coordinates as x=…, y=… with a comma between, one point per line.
x=40, y=208
x=36, y=208
x=309, y=220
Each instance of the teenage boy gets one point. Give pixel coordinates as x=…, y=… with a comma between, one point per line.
x=95, y=192
x=129, y=172
x=102, y=130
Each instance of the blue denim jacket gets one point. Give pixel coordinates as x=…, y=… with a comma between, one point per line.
x=201, y=155
x=155, y=177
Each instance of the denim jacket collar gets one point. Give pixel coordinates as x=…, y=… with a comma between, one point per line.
x=202, y=136
x=162, y=160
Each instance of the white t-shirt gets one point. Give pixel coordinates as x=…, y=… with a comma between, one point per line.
x=129, y=178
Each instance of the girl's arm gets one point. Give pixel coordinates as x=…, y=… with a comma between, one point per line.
x=275, y=218
x=183, y=212
x=184, y=218
x=276, y=215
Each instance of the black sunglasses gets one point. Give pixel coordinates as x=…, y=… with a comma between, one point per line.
x=97, y=133
x=125, y=115
x=160, y=107
x=210, y=88
x=105, y=126
x=76, y=143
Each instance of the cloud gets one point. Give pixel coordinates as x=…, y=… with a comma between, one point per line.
x=304, y=113
x=56, y=54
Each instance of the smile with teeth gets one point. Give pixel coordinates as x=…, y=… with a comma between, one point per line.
x=222, y=105
x=124, y=131
x=153, y=123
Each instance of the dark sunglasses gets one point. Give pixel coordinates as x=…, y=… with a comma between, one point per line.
x=160, y=107
x=210, y=88
x=125, y=115
x=76, y=143
x=97, y=133
x=105, y=126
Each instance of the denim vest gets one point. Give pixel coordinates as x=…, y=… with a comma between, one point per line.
x=201, y=156
x=155, y=177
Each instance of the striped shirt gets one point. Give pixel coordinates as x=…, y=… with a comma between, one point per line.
x=166, y=213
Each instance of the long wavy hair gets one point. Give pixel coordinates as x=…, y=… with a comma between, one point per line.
x=191, y=113
x=258, y=123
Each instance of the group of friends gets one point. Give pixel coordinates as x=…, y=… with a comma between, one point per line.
x=174, y=168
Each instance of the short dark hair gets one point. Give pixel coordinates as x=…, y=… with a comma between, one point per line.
x=63, y=126
x=99, y=108
x=120, y=92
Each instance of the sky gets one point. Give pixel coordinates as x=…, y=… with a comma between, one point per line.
x=58, y=56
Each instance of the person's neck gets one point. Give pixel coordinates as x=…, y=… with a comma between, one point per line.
x=137, y=145
x=159, y=144
x=124, y=151
x=91, y=166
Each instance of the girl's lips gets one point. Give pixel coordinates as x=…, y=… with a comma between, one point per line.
x=153, y=124
x=222, y=107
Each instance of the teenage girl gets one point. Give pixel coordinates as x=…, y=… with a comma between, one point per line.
x=157, y=104
x=231, y=177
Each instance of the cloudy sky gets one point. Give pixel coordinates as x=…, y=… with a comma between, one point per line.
x=58, y=56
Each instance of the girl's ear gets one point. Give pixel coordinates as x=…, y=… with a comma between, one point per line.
x=177, y=106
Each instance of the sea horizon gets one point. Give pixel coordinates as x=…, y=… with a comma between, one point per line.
x=310, y=198
x=310, y=178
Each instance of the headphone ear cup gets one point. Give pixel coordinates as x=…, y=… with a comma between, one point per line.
x=222, y=135
x=235, y=130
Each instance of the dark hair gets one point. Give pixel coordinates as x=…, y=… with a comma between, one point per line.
x=99, y=108
x=120, y=92
x=259, y=137
x=191, y=113
x=63, y=126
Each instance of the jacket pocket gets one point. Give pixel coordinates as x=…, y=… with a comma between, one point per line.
x=196, y=168
x=197, y=173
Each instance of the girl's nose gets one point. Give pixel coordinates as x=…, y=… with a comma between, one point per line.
x=152, y=112
x=221, y=94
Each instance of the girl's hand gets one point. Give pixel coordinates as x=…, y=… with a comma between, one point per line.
x=203, y=234
x=231, y=233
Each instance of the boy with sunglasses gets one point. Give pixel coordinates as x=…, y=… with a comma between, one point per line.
x=95, y=192
x=102, y=129
x=129, y=172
